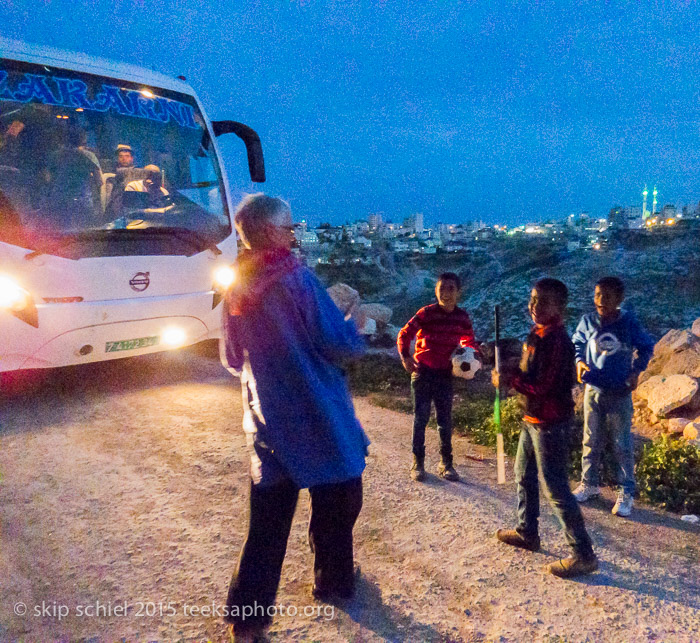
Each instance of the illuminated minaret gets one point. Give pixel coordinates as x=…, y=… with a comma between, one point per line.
x=645, y=214
x=653, y=205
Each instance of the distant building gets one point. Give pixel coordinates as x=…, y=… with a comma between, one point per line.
x=414, y=223
x=635, y=217
x=375, y=221
x=668, y=212
x=307, y=239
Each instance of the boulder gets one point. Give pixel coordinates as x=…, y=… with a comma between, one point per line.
x=665, y=393
x=691, y=431
x=369, y=328
x=665, y=343
x=694, y=404
x=684, y=362
x=379, y=312
x=685, y=340
x=696, y=327
x=676, y=425
x=642, y=391
x=344, y=297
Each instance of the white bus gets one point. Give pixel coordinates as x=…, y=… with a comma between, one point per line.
x=115, y=228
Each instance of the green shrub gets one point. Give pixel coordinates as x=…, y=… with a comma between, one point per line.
x=471, y=412
x=511, y=421
x=668, y=474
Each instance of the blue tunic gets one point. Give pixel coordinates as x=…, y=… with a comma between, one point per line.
x=298, y=413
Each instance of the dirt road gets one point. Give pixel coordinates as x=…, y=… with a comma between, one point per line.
x=123, y=508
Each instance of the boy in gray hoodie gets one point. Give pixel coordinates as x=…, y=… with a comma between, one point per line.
x=605, y=342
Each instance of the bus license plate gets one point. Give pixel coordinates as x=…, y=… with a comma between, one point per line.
x=130, y=344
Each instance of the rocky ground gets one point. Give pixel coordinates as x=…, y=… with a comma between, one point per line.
x=126, y=484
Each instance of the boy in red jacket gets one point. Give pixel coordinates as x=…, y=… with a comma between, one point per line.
x=439, y=329
x=545, y=380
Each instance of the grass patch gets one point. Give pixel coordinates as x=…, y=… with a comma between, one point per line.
x=378, y=374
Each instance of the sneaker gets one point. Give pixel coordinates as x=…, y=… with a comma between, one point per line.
x=516, y=539
x=583, y=492
x=572, y=566
x=447, y=471
x=623, y=504
x=417, y=470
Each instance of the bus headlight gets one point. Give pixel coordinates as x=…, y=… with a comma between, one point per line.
x=224, y=276
x=17, y=301
x=12, y=296
x=173, y=336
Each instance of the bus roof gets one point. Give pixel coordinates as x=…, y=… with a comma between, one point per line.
x=27, y=52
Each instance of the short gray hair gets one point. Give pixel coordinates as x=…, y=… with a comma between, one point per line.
x=255, y=212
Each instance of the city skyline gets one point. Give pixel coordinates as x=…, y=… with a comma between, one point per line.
x=499, y=112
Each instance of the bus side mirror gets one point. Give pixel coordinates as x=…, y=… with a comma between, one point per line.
x=256, y=162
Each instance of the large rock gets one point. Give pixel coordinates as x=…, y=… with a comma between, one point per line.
x=344, y=297
x=691, y=431
x=379, y=312
x=686, y=339
x=685, y=362
x=696, y=327
x=665, y=393
x=694, y=404
x=676, y=425
x=665, y=343
x=369, y=328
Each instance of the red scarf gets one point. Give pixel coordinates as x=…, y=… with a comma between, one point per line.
x=256, y=271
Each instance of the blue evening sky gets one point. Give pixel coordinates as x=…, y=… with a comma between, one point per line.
x=501, y=111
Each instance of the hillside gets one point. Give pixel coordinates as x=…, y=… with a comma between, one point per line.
x=662, y=274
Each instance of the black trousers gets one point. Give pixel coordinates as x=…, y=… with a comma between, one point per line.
x=334, y=510
x=428, y=386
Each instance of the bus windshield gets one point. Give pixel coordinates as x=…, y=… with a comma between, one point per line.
x=86, y=157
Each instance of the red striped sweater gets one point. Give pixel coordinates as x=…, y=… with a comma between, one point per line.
x=437, y=334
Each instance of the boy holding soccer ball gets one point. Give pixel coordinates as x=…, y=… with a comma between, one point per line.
x=438, y=330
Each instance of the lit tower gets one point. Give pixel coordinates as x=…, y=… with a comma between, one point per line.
x=653, y=205
x=645, y=214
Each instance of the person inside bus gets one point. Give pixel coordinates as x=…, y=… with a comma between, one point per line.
x=125, y=156
x=151, y=186
x=75, y=180
x=125, y=172
x=10, y=144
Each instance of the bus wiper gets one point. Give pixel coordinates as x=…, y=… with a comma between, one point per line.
x=197, y=240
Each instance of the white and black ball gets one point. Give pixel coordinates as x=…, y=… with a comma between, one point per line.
x=464, y=362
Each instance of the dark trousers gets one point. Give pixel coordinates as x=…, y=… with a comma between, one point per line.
x=546, y=447
x=334, y=510
x=429, y=385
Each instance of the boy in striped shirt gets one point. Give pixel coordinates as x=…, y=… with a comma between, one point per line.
x=438, y=329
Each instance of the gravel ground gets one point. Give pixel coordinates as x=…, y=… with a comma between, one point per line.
x=125, y=490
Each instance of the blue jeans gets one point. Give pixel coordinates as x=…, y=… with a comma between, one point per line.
x=546, y=448
x=430, y=385
x=612, y=413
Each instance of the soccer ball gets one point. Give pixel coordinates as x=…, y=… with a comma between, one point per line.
x=464, y=362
